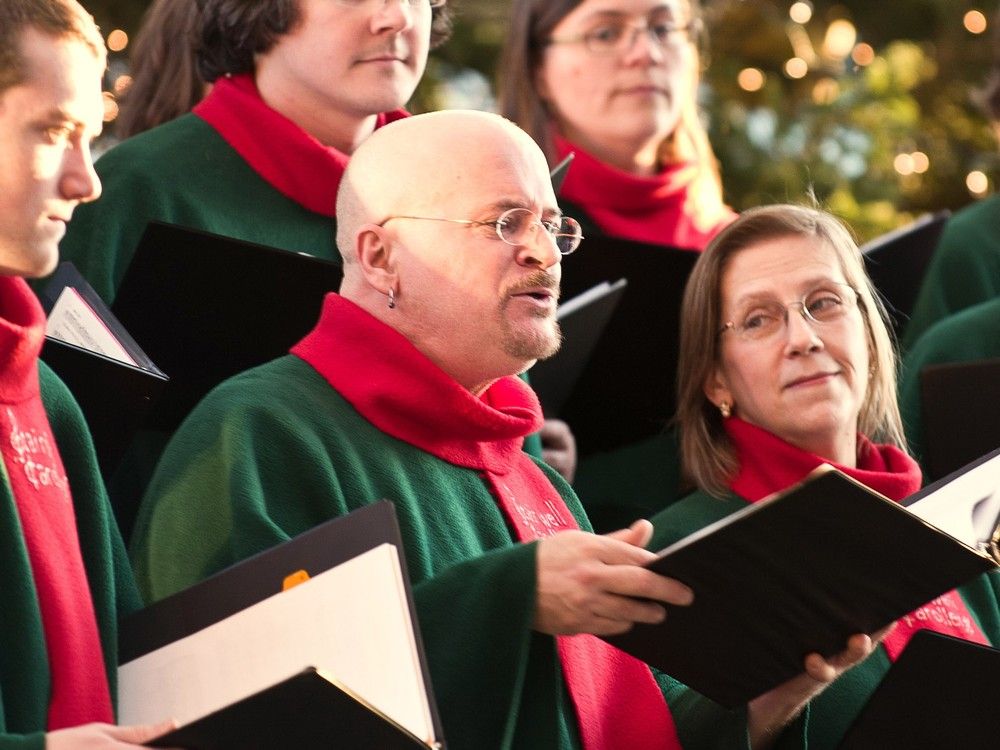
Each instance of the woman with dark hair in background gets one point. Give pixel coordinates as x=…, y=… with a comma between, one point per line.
x=165, y=81
x=615, y=82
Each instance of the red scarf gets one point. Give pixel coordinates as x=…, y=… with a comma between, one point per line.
x=768, y=464
x=289, y=159
x=404, y=394
x=41, y=491
x=645, y=209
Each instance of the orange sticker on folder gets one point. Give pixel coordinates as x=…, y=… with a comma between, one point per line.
x=294, y=579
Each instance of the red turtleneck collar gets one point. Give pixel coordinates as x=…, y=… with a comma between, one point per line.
x=289, y=159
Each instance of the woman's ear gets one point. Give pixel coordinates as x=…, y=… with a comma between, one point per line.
x=716, y=390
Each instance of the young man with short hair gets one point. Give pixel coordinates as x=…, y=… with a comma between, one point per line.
x=65, y=576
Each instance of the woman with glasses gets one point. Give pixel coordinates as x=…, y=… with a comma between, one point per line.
x=786, y=364
x=615, y=82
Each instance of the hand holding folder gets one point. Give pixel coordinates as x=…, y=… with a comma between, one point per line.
x=796, y=573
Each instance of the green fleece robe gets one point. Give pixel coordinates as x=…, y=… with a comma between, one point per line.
x=966, y=336
x=965, y=270
x=635, y=481
x=275, y=451
x=831, y=714
x=24, y=669
x=183, y=172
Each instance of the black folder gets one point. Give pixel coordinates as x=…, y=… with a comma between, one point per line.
x=321, y=707
x=582, y=326
x=309, y=711
x=626, y=391
x=960, y=409
x=796, y=573
x=115, y=397
x=942, y=692
x=206, y=307
x=898, y=260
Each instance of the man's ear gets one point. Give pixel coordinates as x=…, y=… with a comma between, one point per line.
x=373, y=252
x=716, y=388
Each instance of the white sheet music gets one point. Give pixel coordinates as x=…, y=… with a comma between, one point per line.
x=72, y=320
x=968, y=507
x=351, y=621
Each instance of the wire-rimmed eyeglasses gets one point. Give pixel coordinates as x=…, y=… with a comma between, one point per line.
x=517, y=226
x=763, y=319
x=617, y=35
x=383, y=3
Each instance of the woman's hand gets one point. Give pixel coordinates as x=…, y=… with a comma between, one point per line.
x=771, y=712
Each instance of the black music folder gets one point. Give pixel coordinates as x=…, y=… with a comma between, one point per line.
x=796, y=573
x=582, y=320
x=960, y=409
x=114, y=381
x=310, y=642
x=941, y=692
x=626, y=392
x=897, y=261
x=206, y=307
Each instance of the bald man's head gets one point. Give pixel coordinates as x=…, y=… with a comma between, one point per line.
x=413, y=165
x=426, y=218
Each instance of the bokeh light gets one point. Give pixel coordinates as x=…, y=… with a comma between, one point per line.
x=750, y=79
x=974, y=22
x=117, y=40
x=796, y=67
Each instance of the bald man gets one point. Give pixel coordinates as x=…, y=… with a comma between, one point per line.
x=405, y=390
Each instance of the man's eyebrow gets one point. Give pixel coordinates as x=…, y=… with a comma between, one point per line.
x=505, y=204
x=57, y=115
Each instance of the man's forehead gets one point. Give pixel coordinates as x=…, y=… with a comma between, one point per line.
x=63, y=79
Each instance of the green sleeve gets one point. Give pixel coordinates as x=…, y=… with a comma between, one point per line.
x=964, y=271
x=34, y=741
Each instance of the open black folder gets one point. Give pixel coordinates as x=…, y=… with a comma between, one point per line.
x=206, y=307
x=626, y=391
x=941, y=692
x=897, y=261
x=582, y=320
x=796, y=573
x=114, y=381
x=960, y=406
x=309, y=644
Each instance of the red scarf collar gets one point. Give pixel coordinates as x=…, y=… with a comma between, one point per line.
x=41, y=493
x=22, y=333
x=644, y=209
x=768, y=464
x=285, y=156
x=396, y=388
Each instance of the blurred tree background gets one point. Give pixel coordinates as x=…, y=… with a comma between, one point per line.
x=870, y=106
